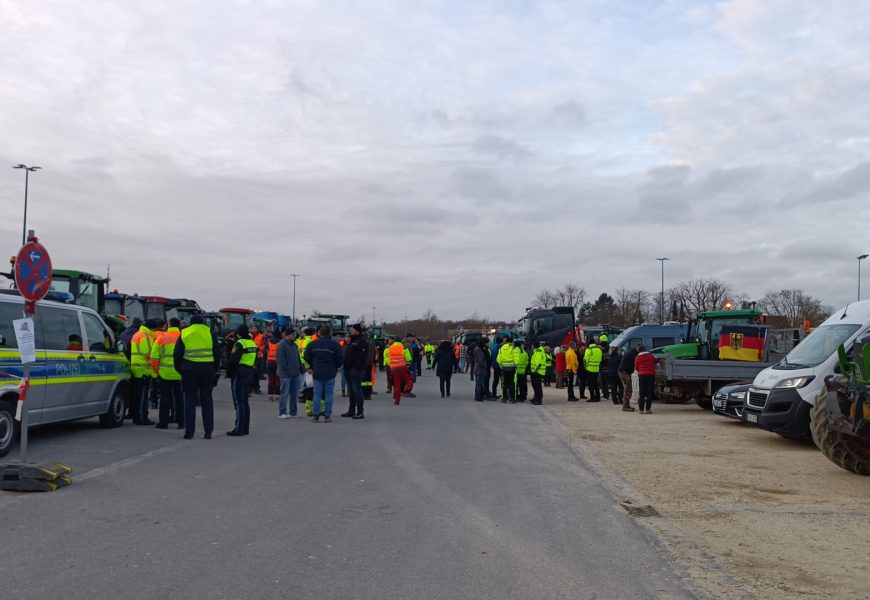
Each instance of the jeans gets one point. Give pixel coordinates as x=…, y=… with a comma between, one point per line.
x=569, y=377
x=170, y=400
x=354, y=383
x=647, y=390
x=508, y=391
x=241, y=387
x=323, y=391
x=289, y=394
x=496, y=377
x=481, y=389
x=485, y=378
x=444, y=383
x=615, y=388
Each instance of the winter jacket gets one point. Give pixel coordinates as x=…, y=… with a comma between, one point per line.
x=505, y=357
x=627, y=364
x=561, y=361
x=325, y=357
x=493, y=353
x=645, y=363
x=445, y=360
x=572, y=363
x=613, y=362
x=481, y=362
x=289, y=364
x=356, y=353
x=592, y=359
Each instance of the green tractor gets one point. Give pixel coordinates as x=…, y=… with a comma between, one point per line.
x=702, y=334
x=840, y=418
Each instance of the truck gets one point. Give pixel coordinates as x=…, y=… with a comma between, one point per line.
x=692, y=370
x=553, y=326
x=783, y=395
x=182, y=309
x=125, y=306
x=338, y=323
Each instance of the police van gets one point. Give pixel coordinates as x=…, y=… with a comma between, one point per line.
x=79, y=371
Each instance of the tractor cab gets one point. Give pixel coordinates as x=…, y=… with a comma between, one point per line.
x=182, y=309
x=86, y=289
x=234, y=317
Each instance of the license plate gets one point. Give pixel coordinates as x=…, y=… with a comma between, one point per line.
x=751, y=417
x=667, y=389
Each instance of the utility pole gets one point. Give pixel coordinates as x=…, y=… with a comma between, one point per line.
x=294, y=276
x=860, y=258
x=662, y=303
x=374, y=308
x=27, y=171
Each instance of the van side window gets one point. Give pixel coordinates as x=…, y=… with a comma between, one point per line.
x=8, y=313
x=634, y=342
x=657, y=342
x=60, y=329
x=99, y=339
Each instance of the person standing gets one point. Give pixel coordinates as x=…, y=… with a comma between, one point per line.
x=399, y=361
x=325, y=357
x=521, y=359
x=645, y=365
x=538, y=366
x=626, y=368
x=572, y=365
x=508, y=372
x=444, y=364
x=241, y=368
x=592, y=363
x=429, y=349
x=289, y=368
x=612, y=373
x=356, y=358
x=273, y=382
x=417, y=356
x=560, y=361
x=496, y=371
x=259, y=340
x=302, y=344
x=581, y=373
x=196, y=358
x=604, y=346
x=168, y=379
x=142, y=371
x=463, y=357
x=485, y=368
x=386, y=363
x=481, y=371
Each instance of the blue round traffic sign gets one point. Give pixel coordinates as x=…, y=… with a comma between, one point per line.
x=33, y=271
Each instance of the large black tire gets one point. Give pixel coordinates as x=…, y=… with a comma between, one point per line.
x=9, y=427
x=704, y=402
x=841, y=449
x=114, y=417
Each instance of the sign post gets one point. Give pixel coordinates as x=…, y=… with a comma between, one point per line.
x=33, y=279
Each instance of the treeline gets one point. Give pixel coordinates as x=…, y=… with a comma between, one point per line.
x=785, y=308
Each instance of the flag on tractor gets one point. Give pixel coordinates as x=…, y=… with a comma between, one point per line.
x=742, y=342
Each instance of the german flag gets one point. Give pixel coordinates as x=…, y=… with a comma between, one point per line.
x=742, y=342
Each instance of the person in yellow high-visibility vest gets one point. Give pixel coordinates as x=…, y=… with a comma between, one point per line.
x=168, y=379
x=197, y=358
x=142, y=370
x=307, y=337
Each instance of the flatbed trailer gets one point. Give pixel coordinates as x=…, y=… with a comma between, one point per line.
x=684, y=380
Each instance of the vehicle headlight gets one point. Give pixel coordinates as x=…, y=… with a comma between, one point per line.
x=739, y=395
x=721, y=396
x=794, y=383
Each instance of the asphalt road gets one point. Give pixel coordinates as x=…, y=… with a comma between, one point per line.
x=433, y=499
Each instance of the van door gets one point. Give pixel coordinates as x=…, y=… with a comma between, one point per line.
x=65, y=357
x=102, y=364
x=11, y=369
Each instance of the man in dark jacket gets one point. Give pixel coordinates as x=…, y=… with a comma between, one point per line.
x=290, y=373
x=626, y=368
x=198, y=367
x=325, y=357
x=127, y=335
x=480, y=371
x=356, y=357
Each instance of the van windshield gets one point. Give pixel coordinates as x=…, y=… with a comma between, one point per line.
x=818, y=346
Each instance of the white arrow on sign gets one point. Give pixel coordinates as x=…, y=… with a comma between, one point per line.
x=34, y=256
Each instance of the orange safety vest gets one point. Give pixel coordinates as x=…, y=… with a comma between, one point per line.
x=273, y=352
x=456, y=349
x=397, y=356
x=260, y=345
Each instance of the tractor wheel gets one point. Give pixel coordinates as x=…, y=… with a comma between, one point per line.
x=847, y=451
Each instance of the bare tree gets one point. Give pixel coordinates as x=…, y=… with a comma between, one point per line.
x=631, y=307
x=569, y=295
x=789, y=308
x=544, y=299
x=699, y=295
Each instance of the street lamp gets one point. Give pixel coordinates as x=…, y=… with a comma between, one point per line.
x=860, y=258
x=27, y=171
x=662, y=304
x=294, y=276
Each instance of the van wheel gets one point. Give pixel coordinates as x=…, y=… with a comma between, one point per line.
x=114, y=417
x=847, y=451
x=703, y=402
x=9, y=427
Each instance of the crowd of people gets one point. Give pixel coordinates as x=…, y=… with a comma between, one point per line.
x=174, y=369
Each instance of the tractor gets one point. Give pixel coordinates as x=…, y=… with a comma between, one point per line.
x=840, y=418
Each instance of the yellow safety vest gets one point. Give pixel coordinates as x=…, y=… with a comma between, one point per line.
x=197, y=342
x=162, y=354
x=249, y=352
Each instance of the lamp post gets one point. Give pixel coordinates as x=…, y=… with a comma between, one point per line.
x=27, y=171
x=662, y=303
x=860, y=258
x=294, y=276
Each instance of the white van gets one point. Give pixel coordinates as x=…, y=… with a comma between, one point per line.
x=78, y=373
x=781, y=396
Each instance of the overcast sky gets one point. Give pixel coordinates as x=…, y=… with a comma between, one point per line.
x=459, y=155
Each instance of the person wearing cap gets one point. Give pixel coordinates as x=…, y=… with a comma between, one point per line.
x=521, y=359
x=197, y=358
x=356, y=359
x=538, y=368
x=142, y=371
x=290, y=372
x=242, y=369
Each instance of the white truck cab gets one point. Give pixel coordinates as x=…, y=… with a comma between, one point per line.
x=782, y=395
